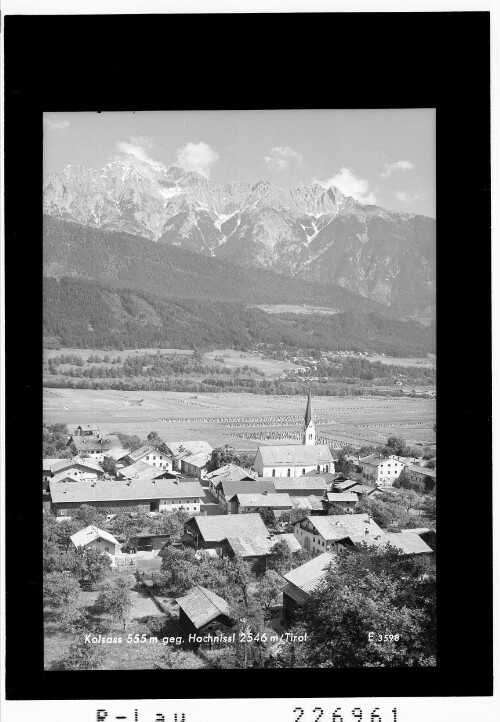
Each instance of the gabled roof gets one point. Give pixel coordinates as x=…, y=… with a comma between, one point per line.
x=342, y=496
x=220, y=527
x=66, y=464
x=374, y=460
x=261, y=546
x=122, y=490
x=344, y=485
x=408, y=543
x=252, y=486
x=295, y=454
x=299, y=483
x=117, y=453
x=181, y=449
x=422, y=470
x=363, y=489
x=309, y=575
x=202, y=606
x=141, y=470
x=95, y=443
x=88, y=427
x=230, y=472
x=49, y=463
x=342, y=526
x=199, y=459
x=308, y=503
x=273, y=501
x=90, y=534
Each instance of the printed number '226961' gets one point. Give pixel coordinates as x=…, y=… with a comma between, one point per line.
x=318, y=713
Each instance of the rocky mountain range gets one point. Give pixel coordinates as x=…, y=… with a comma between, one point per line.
x=308, y=232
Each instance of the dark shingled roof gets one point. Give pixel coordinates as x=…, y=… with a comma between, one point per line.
x=219, y=527
x=246, y=486
x=202, y=606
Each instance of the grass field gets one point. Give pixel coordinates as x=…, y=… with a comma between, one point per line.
x=232, y=418
x=236, y=359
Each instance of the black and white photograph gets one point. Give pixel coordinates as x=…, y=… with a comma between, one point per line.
x=239, y=389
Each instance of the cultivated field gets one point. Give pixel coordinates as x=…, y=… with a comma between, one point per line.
x=429, y=362
x=236, y=359
x=290, y=308
x=243, y=420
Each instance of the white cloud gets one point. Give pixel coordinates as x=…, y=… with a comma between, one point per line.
x=280, y=157
x=198, y=157
x=138, y=146
x=53, y=124
x=407, y=197
x=398, y=165
x=350, y=185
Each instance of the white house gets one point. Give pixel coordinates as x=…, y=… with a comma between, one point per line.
x=382, y=470
x=93, y=538
x=150, y=455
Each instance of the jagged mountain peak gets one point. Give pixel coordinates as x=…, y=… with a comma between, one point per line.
x=311, y=231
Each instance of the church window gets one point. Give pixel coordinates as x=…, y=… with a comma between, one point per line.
x=274, y=472
x=288, y=472
x=303, y=471
x=319, y=468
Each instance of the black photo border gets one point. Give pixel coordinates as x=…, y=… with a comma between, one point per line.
x=318, y=60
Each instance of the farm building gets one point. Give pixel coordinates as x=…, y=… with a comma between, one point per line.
x=149, y=495
x=143, y=470
x=190, y=457
x=329, y=533
x=201, y=611
x=382, y=470
x=76, y=469
x=228, y=472
x=87, y=430
x=256, y=550
x=245, y=503
x=210, y=532
x=150, y=455
x=93, y=446
x=344, y=499
x=93, y=538
x=226, y=490
x=420, y=477
x=309, y=504
x=302, y=581
x=303, y=486
x=344, y=485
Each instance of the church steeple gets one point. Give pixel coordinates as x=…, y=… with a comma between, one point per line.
x=309, y=433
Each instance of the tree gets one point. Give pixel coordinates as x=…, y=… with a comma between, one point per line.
x=82, y=656
x=269, y=588
x=108, y=465
x=344, y=466
x=178, y=659
x=431, y=464
x=87, y=515
x=96, y=565
x=370, y=589
x=115, y=601
x=169, y=522
x=154, y=438
x=61, y=589
x=223, y=455
x=63, y=532
x=409, y=498
x=178, y=570
x=396, y=445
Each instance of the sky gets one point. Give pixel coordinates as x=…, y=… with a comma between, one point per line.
x=382, y=157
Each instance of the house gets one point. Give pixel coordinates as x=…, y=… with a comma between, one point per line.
x=190, y=457
x=47, y=468
x=75, y=469
x=327, y=533
x=310, y=504
x=244, y=503
x=420, y=477
x=144, y=470
x=318, y=534
x=256, y=550
x=93, y=538
x=382, y=470
x=117, y=495
x=87, y=430
x=226, y=490
x=117, y=453
x=303, y=486
x=93, y=446
x=228, y=472
x=150, y=455
x=210, y=532
x=344, y=499
x=201, y=611
x=344, y=485
x=302, y=581
x=428, y=535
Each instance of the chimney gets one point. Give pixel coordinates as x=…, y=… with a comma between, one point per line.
x=264, y=493
x=366, y=531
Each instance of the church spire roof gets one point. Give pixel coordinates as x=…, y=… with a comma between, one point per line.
x=308, y=416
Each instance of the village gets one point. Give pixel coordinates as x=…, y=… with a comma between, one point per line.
x=185, y=541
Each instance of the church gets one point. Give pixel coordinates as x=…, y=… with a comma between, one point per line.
x=296, y=459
